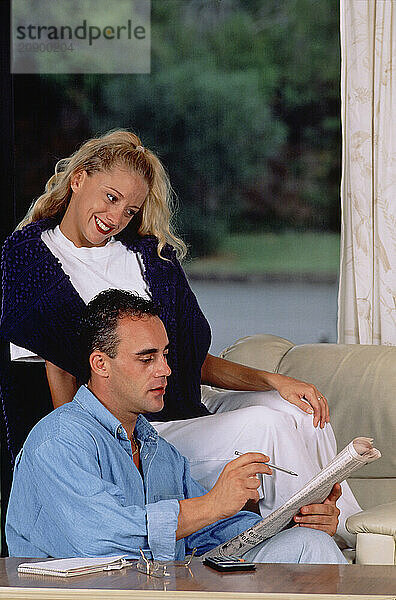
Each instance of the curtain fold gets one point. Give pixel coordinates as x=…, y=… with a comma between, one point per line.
x=367, y=294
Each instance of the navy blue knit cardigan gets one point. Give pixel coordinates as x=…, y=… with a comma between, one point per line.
x=41, y=311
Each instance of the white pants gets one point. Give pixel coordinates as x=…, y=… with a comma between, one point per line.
x=264, y=422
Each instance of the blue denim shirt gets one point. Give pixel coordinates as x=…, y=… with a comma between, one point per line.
x=77, y=492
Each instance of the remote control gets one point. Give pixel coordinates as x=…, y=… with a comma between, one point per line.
x=228, y=563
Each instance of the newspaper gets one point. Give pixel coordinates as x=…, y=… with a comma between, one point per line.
x=356, y=454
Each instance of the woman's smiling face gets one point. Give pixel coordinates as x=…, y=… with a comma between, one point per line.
x=102, y=204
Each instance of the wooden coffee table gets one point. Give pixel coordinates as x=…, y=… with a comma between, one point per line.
x=197, y=582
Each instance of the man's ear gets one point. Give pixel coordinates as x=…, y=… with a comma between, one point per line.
x=99, y=363
x=77, y=179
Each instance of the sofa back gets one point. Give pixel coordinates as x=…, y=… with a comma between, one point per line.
x=359, y=383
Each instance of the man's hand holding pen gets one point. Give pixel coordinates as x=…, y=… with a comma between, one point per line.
x=273, y=466
x=238, y=482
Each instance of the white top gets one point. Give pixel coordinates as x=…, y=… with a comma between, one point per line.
x=92, y=270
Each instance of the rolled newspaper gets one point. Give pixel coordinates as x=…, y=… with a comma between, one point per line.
x=355, y=455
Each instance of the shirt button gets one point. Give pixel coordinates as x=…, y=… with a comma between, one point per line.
x=119, y=430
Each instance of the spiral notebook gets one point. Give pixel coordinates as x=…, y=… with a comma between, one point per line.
x=69, y=567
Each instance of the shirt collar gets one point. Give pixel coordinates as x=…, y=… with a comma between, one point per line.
x=89, y=402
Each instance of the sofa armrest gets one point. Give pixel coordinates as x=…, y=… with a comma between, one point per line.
x=376, y=534
x=262, y=351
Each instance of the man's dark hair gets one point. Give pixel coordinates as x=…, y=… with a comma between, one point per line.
x=103, y=313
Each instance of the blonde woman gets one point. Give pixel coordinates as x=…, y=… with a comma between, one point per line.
x=104, y=222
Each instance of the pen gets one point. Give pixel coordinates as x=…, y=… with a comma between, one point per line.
x=273, y=466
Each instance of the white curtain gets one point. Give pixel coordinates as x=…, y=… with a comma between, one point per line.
x=367, y=296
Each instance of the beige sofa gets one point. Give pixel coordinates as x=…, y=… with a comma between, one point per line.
x=359, y=383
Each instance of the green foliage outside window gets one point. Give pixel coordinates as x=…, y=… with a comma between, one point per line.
x=242, y=105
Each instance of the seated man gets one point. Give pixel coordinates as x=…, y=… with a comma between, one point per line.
x=95, y=479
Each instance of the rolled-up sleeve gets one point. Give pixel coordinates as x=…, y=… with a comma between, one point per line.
x=92, y=513
x=162, y=519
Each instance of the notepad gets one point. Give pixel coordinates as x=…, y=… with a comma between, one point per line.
x=69, y=567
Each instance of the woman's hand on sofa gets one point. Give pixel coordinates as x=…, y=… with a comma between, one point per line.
x=228, y=375
x=304, y=395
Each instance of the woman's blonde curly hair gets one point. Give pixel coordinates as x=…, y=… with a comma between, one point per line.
x=122, y=148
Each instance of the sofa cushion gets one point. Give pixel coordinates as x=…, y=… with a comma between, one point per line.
x=359, y=383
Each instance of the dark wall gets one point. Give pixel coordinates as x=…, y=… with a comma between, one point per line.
x=7, y=209
x=7, y=125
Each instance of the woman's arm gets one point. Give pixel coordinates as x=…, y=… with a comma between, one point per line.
x=63, y=386
x=225, y=374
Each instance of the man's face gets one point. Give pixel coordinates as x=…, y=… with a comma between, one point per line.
x=137, y=375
